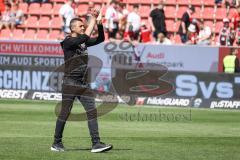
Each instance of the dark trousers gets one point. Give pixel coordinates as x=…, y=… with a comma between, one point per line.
x=86, y=97
x=184, y=38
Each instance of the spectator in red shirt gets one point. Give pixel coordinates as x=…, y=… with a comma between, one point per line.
x=2, y=6
x=234, y=17
x=145, y=33
x=192, y=34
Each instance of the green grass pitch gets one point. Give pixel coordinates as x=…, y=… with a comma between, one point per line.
x=27, y=127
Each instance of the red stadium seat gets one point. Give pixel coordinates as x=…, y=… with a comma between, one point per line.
x=30, y=34
x=170, y=26
x=60, y=1
x=172, y=38
x=32, y=22
x=34, y=9
x=104, y=9
x=145, y=2
x=170, y=12
x=23, y=7
x=209, y=24
x=97, y=1
x=221, y=13
x=232, y=12
x=208, y=13
x=198, y=13
x=106, y=1
x=133, y=1
x=54, y=34
x=44, y=22
x=197, y=2
x=56, y=8
x=56, y=23
x=5, y=34
x=154, y=1
x=180, y=11
x=46, y=9
x=42, y=35
x=209, y=3
x=177, y=24
x=144, y=11
x=184, y=2
x=98, y=5
x=130, y=8
x=167, y=2
x=177, y=39
x=18, y=34
x=218, y=26
x=82, y=8
x=170, y=2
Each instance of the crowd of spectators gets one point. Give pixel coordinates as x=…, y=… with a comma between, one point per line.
x=191, y=31
x=122, y=24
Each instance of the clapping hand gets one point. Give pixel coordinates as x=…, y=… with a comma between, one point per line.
x=99, y=18
x=95, y=13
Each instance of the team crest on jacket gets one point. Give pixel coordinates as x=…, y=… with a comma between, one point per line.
x=82, y=50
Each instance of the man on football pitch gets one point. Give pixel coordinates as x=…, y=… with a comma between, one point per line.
x=75, y=69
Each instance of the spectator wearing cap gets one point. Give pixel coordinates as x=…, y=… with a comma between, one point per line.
x=192, y=34
x=226, y=35
x=185, y=22
x=157, y=20
x=204, y=36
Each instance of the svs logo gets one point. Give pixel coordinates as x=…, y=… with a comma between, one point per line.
x=190, y=86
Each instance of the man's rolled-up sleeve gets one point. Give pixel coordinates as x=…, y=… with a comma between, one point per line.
x=99, y=39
